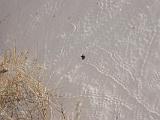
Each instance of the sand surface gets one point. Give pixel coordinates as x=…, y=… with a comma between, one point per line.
x=119, y=78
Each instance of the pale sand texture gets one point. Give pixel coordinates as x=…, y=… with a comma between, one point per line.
x=119, y=79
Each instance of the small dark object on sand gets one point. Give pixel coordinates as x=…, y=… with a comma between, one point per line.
x=83, y=57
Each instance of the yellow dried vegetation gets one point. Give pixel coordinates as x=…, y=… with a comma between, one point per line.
x=22, y=95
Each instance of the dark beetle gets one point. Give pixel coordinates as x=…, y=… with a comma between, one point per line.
x=83, y=57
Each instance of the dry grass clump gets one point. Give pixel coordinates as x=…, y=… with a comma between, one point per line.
x=22, y=96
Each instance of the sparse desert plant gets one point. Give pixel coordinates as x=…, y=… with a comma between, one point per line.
x=22, y=95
